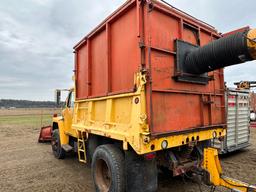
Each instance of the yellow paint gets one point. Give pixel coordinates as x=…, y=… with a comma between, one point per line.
x=81, y=149
x=212, y=165
x=64, y=123
x=179, y=140
x=64, y=138
x=244, y=85
x=251, y=42
x=122, y=117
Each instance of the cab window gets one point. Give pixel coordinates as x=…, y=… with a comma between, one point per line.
x=71, y=101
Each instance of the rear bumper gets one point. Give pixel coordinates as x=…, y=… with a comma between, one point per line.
x=156, y=144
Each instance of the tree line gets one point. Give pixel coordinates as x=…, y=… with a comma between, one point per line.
x=11, y=103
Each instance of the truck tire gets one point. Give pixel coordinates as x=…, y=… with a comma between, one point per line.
x=141, y=174
x=91, y=145
x=57, y=150
x=108, y=169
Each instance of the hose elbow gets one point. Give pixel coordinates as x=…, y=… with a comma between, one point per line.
x=251, y=42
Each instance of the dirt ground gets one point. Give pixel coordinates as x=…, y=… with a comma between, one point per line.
x=26, y=165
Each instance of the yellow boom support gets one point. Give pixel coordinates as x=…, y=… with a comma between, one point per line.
x=212, y=165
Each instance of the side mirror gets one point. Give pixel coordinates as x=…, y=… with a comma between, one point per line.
x=57, y=97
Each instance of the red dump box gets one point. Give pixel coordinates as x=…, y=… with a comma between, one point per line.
x=145, y=39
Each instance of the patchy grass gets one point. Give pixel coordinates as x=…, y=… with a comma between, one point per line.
x=27, y=117
x=26, y=120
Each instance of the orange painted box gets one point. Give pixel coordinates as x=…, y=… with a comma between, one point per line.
x=142, y=36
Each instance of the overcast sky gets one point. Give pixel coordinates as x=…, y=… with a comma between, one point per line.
x=37, y=36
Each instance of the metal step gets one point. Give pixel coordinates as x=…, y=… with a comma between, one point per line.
x=81, y=150
x=67, y=147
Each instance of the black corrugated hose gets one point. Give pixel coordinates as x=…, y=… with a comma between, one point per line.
x=220, y=53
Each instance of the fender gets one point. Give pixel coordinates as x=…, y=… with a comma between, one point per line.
x=64, y=139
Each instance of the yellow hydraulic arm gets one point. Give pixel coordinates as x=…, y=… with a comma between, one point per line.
x=212, y=165
x=245, y=84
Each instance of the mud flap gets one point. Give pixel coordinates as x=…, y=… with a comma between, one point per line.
x=141, y=174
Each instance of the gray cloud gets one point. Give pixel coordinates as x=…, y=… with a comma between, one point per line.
x=37, y=36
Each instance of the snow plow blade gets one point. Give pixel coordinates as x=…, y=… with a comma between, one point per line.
x=45, y=134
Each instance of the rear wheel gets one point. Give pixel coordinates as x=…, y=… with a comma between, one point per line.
x=108, y=169
x=57, y=150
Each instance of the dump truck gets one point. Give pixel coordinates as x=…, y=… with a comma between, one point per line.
x=149, y=92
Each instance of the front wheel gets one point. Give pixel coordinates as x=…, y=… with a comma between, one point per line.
x=57, y=150
x=108, y=169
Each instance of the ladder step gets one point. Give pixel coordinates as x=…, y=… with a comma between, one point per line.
x=81, y=147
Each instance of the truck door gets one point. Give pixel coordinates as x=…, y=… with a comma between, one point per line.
x=68, y=113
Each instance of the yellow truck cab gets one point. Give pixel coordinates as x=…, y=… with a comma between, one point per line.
x=62, y=125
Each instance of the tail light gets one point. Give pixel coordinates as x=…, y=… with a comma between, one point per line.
x=150, y=156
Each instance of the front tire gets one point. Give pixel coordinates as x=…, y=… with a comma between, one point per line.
x=57, y=150
x=108, y=169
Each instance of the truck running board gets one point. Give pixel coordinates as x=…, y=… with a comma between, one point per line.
x=67, y=147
